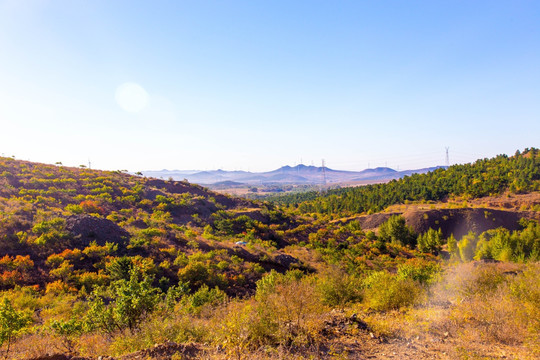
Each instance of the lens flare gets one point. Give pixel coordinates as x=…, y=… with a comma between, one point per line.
x=131, y=97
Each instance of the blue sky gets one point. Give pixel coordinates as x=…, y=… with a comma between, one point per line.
x=255, y=85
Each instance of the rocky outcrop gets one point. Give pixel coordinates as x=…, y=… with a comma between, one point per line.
x=86, y=228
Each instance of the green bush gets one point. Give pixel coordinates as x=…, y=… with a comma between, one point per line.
x=204, y=296
x=197, y=274
x=431, y=241
x=130, y=301
x=50, y=232
x=467, y=246
x=12, y=322
x=338, y=289
x=424, y=272
x=385, y=291
x=69, y=331
x=395, y=231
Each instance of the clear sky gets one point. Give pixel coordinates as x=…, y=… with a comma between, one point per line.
x=254, y=85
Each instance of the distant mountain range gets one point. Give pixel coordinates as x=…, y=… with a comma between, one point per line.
x=300, y=174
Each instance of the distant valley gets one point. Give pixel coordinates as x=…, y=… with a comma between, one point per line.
x=286, y=175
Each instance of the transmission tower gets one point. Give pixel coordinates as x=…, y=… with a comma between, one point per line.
x=324, y=172
x=447, y=157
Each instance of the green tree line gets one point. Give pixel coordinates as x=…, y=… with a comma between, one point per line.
x=518, y=174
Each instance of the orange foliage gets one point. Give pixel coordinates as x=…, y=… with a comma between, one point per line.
x=10, y=278
x=59, y=287
x=22, y=263
x=91, y=207
x=69, y=254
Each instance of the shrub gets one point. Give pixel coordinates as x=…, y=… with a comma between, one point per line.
x=385, y=291
x=431, y=241
x=50, y=231
x=95, y=251
x=239, y=328
x=198, y=274
x=467, y=246
x=131, y=301
x=63, y=272
x=59, y=287
x=289, y=310
x=180, y=328
x=482, y=282
x=203, y=297
x=452, y=248
x=419, y=270
x=292, y=313
x=69, y=331
x=395, y=231
x=337, y=288
x=91, y=207
x=120, y=268
x=498, y=307
x=12, y=322
x=74, y=209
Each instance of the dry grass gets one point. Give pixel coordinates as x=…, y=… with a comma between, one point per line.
x=475, y=311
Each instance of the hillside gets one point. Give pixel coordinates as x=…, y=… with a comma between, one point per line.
x=64, y=227
x=98, y=263
x=69, y=219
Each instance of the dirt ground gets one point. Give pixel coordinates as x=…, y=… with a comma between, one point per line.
x=458, y=217
x=350, y=341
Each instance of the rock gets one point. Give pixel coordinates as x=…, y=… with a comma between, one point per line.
x=286, y=260
x=85, y=229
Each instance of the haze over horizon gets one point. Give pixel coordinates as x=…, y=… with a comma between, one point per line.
x=249, y=85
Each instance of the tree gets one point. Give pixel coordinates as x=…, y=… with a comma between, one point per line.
x=452, y=247
x=131, y=301
x=467, y=247
x=11, y=323
x=431, y=241
x=395, y=230
x=68, y=331
x=120, y=268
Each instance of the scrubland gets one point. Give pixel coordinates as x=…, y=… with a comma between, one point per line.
x=106, y=264
x=475, y=310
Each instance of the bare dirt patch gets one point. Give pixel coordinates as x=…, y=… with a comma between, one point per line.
x=476, y=215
